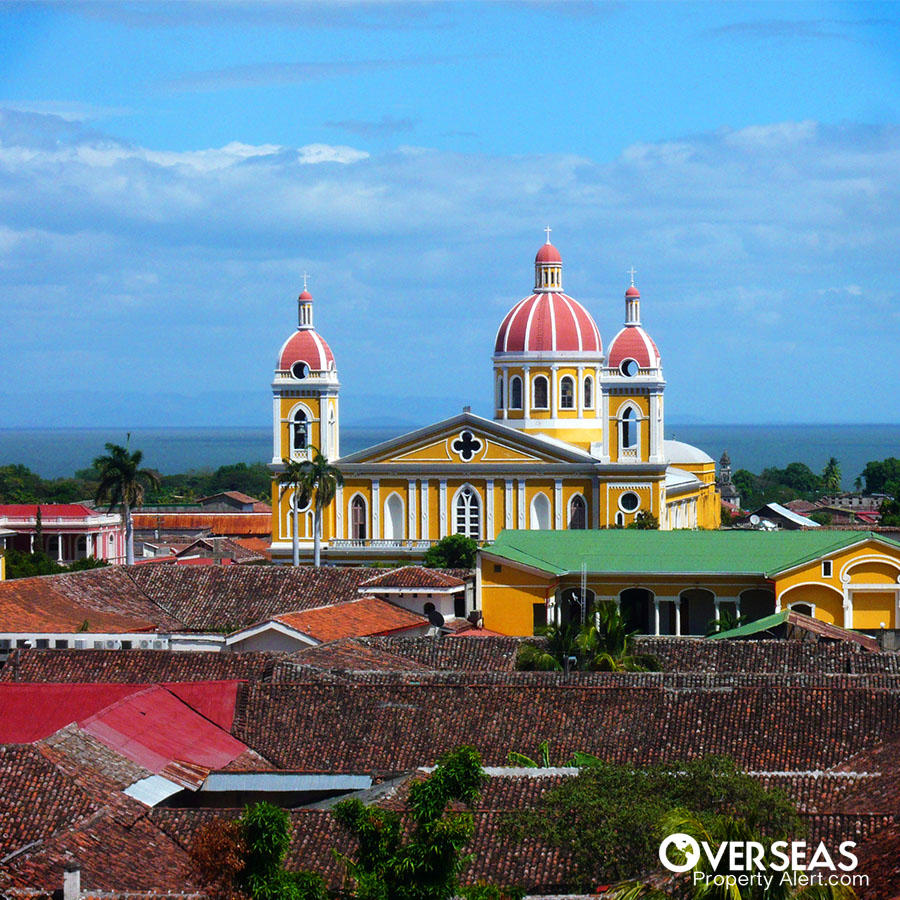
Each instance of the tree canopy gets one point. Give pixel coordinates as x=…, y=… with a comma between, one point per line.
x=456, y=551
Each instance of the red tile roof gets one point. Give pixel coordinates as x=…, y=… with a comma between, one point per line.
x=364, y=616
x=48, y=510
x=135, y=666
x=413, y=577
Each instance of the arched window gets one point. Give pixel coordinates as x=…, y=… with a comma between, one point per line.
x=358, y=530
x=393, y=518
x=620, y=519
x=500, y=392
x=567, y=393
x=299, y=431
x=515, y=393
x=468, y=513
x=629, y=429
x=588, y=392
x=540, y=512
x=577, y=513
x=541, y=393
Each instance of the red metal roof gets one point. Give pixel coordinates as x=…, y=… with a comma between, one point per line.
x=35, y=711
x=154, y=728
x=213, y=699
x=49, y=510
x=219, y=523
x=308, y=346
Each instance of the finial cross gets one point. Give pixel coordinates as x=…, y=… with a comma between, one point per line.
x=631, y=272
x=548, y=229
x=305, y=277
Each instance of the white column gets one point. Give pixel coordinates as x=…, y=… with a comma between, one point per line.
x=411, y=509
x=521, y=502
x=339, y=512
x=276, y=430
x=848, y=608
x=376, y=508
x=654, y=427
x=443, y=506
x=579, y=392
x=558, y=504
x=554, y=390
x=678, y=617
x=656, y=616
x=716, y=608
x=423, y=487
x=737, y=606
x=59, y=547
x=508, y=503
x=605, y=423
x=526, y=391
x=31, y=543
x=506, y=398
x=489, y=511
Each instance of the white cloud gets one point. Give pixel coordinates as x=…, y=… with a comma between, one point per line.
x=737, y=236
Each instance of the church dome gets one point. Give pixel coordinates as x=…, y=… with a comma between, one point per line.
x=306, y=346
x=548, y=254
x=632, y=342
x=548, y=321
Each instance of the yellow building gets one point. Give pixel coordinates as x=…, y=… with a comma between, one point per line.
x=576, y=442
x=676, y=583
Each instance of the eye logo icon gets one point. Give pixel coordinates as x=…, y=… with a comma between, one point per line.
x=687, y=845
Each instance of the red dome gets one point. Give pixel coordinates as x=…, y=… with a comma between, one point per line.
x=548, y=322
x=548, y=254
x=305, y=295
x=632, y=292
x=309, y=347
x=634, y=343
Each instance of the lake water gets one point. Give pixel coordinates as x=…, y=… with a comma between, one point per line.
x=59, y=452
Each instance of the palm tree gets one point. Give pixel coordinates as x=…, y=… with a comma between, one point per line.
x=318, y=480
x=724, y=828
x=561, y=645
x=607, y=646
x=122, y=483
x=727, y=621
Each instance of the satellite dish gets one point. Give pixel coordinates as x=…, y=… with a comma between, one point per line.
x=436, y=618
x=754, y=520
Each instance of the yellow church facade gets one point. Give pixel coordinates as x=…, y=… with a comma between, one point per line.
x=576, y=441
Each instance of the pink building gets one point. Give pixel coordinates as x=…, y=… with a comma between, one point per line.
x=71, y=531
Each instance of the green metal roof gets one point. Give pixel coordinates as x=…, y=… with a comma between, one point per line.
x=648, y=552
x=754, y=627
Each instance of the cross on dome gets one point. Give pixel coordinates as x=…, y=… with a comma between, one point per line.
x=548, y=229
x=305, y=277
x=631, y=272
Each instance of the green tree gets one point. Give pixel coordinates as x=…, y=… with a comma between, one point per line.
x=315, y=480
x=831, y=476
x=645, y=521
x=879, y=474
x=425, y=861
x=122, y=484
x=601, y=644
x=611, y=817
x=243, y=859
x=290, y=479
x=716, y=830
x=726, y=622
x=606, y=645
x=456, y=551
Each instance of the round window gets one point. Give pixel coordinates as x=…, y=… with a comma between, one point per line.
x=629, y=501
x=302, y=501
x=300, y=369
x=629, y=368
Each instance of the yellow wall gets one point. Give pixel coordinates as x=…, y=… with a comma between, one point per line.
x=508, y=597
x=616, y=404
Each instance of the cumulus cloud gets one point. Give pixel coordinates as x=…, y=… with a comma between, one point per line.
x=740, y=238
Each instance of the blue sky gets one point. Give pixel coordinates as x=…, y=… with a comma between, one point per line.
x=168, y=172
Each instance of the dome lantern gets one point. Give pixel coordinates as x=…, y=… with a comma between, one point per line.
x=547, y=267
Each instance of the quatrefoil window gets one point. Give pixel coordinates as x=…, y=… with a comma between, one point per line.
x=466, y=445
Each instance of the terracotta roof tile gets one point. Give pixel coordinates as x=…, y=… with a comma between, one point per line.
x=413, y=577
x=219, y=523
x=363, y=616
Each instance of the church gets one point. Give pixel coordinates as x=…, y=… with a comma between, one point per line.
x=577, y=440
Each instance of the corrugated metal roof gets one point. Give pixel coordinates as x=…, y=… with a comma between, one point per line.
x=673, y=552
x=791, y=619
x=152, y=790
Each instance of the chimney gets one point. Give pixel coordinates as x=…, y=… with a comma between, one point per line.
x=72, y=881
